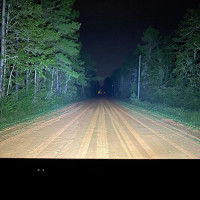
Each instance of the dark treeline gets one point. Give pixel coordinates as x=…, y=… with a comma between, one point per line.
x=42, y=63
x=170, y=67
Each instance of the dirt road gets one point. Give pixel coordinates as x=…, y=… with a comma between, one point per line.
x=99, y=129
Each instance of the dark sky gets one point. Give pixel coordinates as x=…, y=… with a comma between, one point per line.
x=112, y=28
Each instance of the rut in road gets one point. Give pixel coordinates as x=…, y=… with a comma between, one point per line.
x=99, y=128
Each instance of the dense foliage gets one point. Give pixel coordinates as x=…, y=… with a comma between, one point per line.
x=42, y=61
x=170, y=66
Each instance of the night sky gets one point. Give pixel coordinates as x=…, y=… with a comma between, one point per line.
x=111, y=29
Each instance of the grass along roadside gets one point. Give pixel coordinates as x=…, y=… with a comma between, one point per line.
x=25, y=111
x=188, y=118
x=27, y=118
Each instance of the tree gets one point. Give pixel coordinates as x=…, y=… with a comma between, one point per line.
x=187, y=51
x=188, y=56
x=28, y=45
x=2, y=49
x=89, y=74
x=151, y=56
x=67, y=48
x=36, y=42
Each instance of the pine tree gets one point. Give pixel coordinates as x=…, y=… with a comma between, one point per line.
x=36, y=41
x=29, y=44
x=188, y=55
x=187, y=51
x=152, y=72
x=67, y=48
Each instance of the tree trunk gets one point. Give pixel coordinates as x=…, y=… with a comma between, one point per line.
x=60, y=86
x=66, y=83
x=17, y=85
x=36, y=82
x=17, y=74
x=45, y=81
x=2, y=49
x=52, y=75
x=9, y=81
x=4, y=77
x=27, y=80
x=57, y=82
x=5, y=60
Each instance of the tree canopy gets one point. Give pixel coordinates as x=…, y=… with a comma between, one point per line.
x=170, y=67
x=42, y=60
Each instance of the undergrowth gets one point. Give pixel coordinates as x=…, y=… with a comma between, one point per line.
x=189, y=118
x=29, y=107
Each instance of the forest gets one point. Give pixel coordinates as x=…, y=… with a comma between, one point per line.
x=170, y=67
x=42, y=64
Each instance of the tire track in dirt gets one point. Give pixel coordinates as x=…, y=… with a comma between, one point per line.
x=130, y=149
x=170, y=128
x=148, y=150
x=102, y=143
x=72, y=138
x=98, y=129
x=166, y=126
x=115, y=145
x=37, y=127
x=82, y=152
x=35, y=152
x=176, y=146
